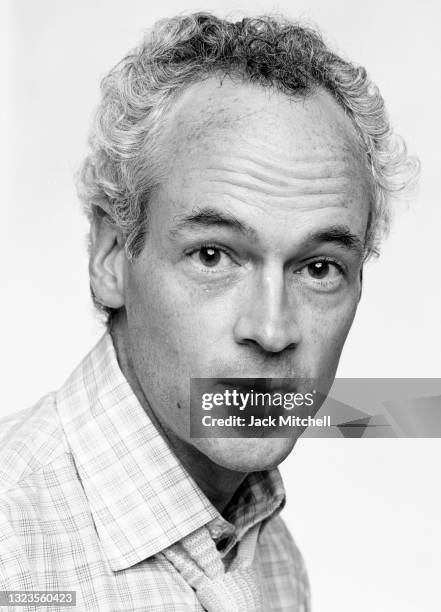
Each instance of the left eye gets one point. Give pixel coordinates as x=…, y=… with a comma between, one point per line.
x=209, y=256
x=323, y=270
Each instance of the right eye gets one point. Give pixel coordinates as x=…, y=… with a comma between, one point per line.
x=211, y=257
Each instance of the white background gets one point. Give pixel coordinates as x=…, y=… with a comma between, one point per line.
x=365, y=513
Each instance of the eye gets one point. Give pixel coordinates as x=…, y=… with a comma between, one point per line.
x=323, y=269
x=210, y=256
x=322, y=273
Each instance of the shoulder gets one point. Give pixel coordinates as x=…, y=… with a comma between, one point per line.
x=29, y=440
x=40, y=495
x=31, y=443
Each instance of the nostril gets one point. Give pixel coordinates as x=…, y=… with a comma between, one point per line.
x=268, y=347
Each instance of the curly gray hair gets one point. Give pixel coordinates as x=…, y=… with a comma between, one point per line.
x=118, y=175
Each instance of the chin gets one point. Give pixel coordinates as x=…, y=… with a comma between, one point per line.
x=246, y=454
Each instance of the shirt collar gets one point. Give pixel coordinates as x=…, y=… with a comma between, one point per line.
x=141, y=498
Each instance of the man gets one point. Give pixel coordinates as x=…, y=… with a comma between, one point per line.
x=237, y=181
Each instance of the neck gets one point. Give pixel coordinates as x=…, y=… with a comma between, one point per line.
x=218, y=483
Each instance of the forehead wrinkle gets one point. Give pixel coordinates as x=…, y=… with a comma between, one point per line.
x=303, y=189
x=277, y=185
x=300, y=167
x=312, y=202
x=328, y=169
x=335, y=178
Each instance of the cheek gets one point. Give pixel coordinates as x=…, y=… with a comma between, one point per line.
x=173, y=321
x=154, y=313
x=325, y=332
x=332, y=336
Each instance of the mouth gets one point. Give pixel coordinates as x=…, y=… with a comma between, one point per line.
x=259, y=385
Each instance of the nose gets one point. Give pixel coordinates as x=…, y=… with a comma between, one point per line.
x=266, y=316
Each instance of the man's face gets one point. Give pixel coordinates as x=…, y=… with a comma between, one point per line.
x=251, y=266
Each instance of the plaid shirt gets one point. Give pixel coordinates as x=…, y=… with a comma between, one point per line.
x=90, y=494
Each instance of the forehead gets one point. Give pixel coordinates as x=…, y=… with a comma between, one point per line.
x=219, y=112
x=250, y=149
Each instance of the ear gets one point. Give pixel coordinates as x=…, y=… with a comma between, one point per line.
x=107, y=263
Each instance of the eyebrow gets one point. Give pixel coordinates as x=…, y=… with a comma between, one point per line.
x=210, y=217
x=340, y=235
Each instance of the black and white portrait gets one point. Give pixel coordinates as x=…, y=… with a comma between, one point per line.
x=216, y=192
